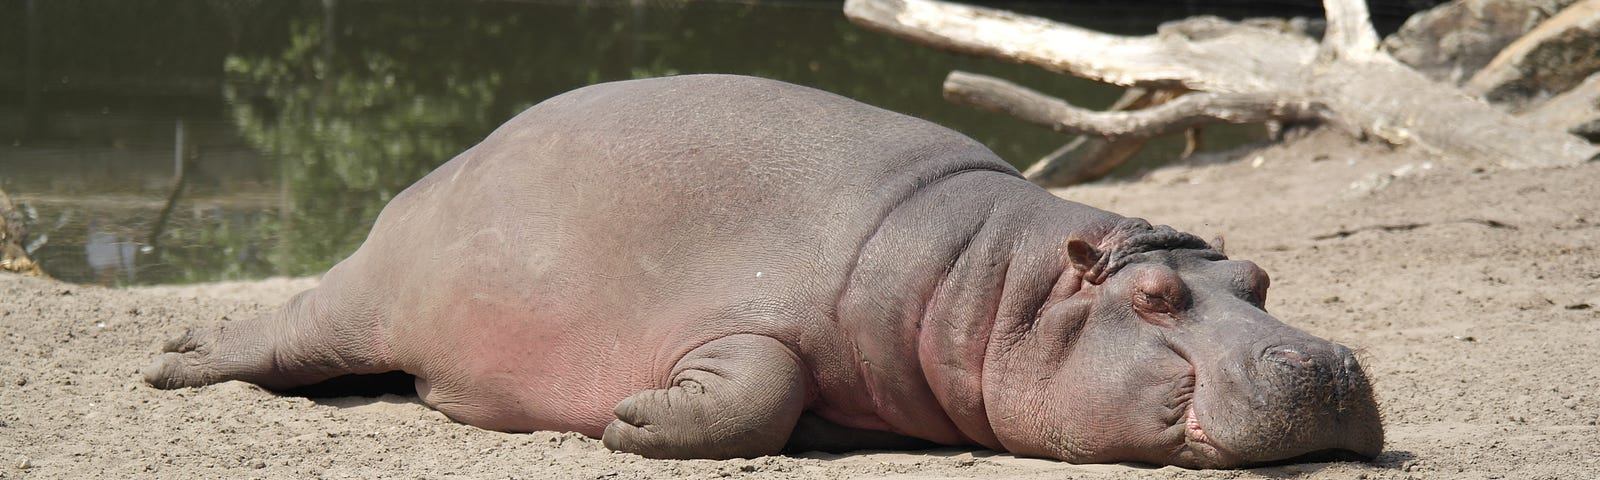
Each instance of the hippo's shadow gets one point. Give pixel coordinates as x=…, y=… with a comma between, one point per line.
x=946, y=454
x=1387, y=460
x=370, y=386
x=1394, y=459
x=963, y=456
x=352, y=390
x=933, y=451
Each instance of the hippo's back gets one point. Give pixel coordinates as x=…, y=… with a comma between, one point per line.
x=754, y=141
x=701, y=178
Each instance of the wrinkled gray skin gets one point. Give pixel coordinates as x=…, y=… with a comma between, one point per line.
x=693, y=266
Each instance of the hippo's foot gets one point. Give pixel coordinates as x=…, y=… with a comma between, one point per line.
x=738, y=396
x=203, y=357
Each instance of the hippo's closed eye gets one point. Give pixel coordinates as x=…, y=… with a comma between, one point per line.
x=1159, y=296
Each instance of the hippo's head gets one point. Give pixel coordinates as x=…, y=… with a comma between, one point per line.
x=1159, y=350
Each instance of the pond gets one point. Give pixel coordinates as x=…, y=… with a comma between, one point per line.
x=193, y=141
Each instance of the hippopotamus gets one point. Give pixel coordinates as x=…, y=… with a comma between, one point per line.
x=713, y=266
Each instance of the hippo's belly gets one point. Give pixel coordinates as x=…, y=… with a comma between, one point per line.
x=548, y=324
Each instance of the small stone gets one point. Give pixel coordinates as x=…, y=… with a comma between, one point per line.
x=258, y=464
x=25, y=463
x=22, y=381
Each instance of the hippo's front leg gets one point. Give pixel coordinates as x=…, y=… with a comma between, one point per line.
x=737, y=396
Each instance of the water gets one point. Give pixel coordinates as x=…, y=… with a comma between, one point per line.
x=191, y=141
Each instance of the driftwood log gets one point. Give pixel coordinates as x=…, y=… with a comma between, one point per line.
x=1220, y=71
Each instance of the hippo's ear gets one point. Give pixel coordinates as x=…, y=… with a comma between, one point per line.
x=1083, y=257
x=1216, y=244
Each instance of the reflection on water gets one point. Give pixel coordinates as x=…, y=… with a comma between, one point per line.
x=186, y=141
x=108, y=255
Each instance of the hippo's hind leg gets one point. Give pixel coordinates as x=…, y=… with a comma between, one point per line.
x=319, y=334
x=737, y=396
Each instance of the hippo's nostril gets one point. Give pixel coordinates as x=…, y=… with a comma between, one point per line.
x=1287, y=355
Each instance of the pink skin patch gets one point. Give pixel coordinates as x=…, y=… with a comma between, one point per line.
x=1192, y=426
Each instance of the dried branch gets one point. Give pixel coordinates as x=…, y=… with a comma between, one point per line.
x=1183, y=113
x=1087, y=158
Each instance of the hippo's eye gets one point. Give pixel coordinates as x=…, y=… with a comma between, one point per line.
x=1151, y=303
x=1157, y=308
x=1159, y=296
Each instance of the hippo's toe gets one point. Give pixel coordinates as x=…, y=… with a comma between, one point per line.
x=173, y=370
x=182, y=363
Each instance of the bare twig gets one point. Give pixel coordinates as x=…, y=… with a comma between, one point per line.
x=1403, y=227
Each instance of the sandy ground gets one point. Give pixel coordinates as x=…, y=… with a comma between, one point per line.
x=1472, y=293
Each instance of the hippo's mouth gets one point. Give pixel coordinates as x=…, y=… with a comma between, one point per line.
x=1194, y=434
x=1195, y=447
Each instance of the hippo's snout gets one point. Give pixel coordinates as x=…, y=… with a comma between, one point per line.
x=1311, y=398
